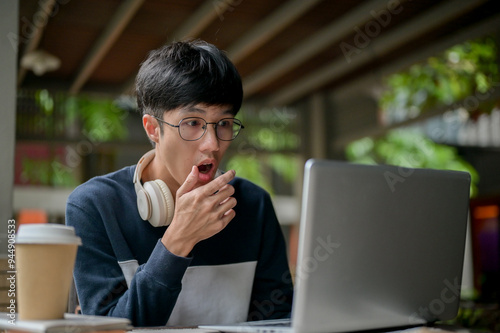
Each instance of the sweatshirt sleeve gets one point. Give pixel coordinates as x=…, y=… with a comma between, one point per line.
x=100, y=282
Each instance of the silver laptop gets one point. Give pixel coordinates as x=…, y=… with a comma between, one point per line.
x=380, y=247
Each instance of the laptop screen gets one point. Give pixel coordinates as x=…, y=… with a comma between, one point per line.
x=379, y=246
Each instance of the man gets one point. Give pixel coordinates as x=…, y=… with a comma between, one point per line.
x=173, y=241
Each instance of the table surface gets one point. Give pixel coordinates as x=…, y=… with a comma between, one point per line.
x=437, y=329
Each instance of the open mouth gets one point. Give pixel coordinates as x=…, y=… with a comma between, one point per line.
x=205, y=168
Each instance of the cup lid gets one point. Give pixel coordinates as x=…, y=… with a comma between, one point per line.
x=47, y=233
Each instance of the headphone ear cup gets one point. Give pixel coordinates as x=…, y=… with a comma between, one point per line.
x=161, y=202
x=168, y=201
x=144, y=204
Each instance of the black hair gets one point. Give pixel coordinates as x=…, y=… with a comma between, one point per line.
x=184, y=74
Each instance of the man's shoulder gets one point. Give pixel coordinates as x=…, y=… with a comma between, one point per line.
x=249, y=194
x=246, y=184
x=242, y=184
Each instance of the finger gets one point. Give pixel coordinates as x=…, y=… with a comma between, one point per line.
x=224, y=201
x=227, y=204
x=222, y=222
x=226, y=191
x=189, y=183
x=228, y=216
x=218, y=183
x=225, y=218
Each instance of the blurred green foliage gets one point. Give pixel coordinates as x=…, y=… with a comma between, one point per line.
x=459, y=72
x=101, y=118
x=48, y=173
x=98, y=119
x=412, y=149
x=479, y=317
x=267, y=148
x=47, y=120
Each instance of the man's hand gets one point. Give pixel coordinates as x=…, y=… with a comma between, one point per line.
x=200, y=212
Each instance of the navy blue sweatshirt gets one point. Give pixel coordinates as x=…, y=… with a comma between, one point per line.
x=123, y=270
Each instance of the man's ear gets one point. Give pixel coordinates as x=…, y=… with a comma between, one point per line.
x=151, y=127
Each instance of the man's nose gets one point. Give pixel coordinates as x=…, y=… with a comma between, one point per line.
x=210, y=139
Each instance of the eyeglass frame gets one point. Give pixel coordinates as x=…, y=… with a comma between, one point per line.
x=204, y=128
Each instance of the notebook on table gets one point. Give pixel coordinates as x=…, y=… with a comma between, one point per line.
x=380, y=247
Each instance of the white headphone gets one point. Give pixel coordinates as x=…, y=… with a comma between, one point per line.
x=154, y=199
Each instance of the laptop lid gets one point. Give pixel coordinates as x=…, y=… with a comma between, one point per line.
x=379, y=246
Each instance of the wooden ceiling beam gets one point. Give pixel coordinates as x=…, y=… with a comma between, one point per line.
x=200, y=19
x=268, y=28
x=191, y=28
x=111, y=33
x=378, y=46
x=311, y=46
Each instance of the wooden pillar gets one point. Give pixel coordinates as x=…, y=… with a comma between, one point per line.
x=9, y=21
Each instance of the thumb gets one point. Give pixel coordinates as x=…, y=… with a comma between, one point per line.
x=189, y=183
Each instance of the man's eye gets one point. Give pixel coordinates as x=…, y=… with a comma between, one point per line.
x=193, y=123
x=224, y=123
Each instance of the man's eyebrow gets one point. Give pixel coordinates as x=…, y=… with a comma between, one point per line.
x=193, y=108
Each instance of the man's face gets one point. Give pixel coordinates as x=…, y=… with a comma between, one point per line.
x=177, y=156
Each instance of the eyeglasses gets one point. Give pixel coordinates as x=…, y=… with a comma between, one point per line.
x=193, y=128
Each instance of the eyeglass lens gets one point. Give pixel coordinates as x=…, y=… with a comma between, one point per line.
x=193, y=128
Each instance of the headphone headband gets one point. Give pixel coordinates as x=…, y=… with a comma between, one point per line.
x=143, y=162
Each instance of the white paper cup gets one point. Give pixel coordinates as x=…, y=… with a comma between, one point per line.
x=45, y=257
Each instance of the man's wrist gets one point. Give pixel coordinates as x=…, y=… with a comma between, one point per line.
x=179, y=247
